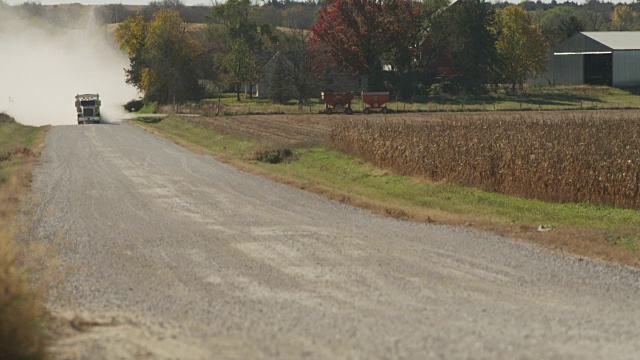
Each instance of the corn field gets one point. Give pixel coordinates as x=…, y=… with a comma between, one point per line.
x=580, y=158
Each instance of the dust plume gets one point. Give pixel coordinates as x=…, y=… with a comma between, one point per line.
x=43, y=67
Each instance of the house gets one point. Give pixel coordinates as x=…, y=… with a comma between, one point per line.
x=596, y=58
x=332, y=80
x=264, y=88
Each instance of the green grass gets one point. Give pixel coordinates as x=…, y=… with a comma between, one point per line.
x=333, y=169
x=181, y=131
x=630, y=242
x=147, y=109
x=533, y=98
x=542, y=98
x=248, y=106
x=23, y=333
x=14, y=137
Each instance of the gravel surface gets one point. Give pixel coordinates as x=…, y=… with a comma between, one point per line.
x=175, y=255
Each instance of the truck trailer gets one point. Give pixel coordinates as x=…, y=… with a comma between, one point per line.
x=88, y=108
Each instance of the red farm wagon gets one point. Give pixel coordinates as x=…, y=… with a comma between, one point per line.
x=337, y=101
x=375, y=100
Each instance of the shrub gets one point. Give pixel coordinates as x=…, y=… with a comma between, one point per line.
x=274, y=156
x=134, y=105
x=5, y=119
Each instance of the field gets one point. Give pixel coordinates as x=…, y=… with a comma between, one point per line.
x=22, y=335
x=591, y=158
x=589, y=230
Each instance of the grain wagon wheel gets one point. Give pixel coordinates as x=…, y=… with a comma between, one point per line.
x=349, y=111
x=385, y=110
x=327, y=111
x=366, y=110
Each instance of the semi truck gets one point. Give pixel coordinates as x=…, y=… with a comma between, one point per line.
x=88, y=108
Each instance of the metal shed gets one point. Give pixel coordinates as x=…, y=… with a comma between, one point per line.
x=598, y=58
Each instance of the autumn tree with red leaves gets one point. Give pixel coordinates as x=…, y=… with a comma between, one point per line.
x=356, y=34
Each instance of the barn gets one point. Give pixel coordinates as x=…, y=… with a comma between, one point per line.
x=597, y=58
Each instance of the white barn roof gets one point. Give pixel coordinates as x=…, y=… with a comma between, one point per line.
x=616, y=40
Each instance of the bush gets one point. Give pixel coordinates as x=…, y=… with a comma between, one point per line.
x=6, y=119
x=274, y=156
x=134, y=105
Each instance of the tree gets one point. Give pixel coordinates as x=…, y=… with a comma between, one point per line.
x=298, y=64
x=150, y=10
x=404, y=55
x=623, y=18
x=234, y=15
x=412, y=71
x=33, y=9
x=238, y=65
x=172, y=54
x=131, y=36
x=472, y=44
x=113, y=13
x=280, y=80
x=519, y=44
x=357, y=33
x=597, y=14
x=571, y=26
x=436, y=29
x=233, y=22
x=163, y=57
x=562, y=22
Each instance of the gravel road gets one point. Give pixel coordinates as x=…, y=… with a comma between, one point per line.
x=175, y=255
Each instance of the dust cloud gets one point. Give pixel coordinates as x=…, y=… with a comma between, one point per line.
x=43, y=67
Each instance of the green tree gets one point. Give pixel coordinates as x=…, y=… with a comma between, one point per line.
x=238, y=65
x=163, y=57
x=172, y=56
x=298, y=63
x=571, y=26
x=562, y=22
x=597, y=14
x=280, y=80
x=472, y=44
x=131, y=36
x=520, y=45
x=436, y=31
x=234, y=21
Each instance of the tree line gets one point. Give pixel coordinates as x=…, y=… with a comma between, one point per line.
x=383, y=44
x=411, y=48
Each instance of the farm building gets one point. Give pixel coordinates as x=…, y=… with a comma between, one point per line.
x=597, y=58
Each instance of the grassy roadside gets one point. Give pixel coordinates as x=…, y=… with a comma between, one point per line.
x=22, y=331
x=597, y=232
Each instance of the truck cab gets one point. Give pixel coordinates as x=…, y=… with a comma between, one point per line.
x=88, y=108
